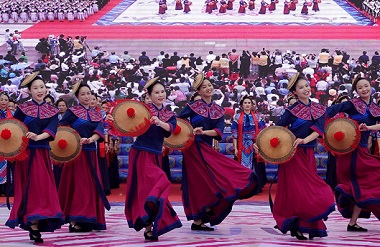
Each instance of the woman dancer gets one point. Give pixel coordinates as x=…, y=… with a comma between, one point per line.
x=80, y=191
x=147, y=205
x=245, y=128
x=4, y=113
x=211, y=182
x=36, y=205
x=303, y=199
x=331, y=159
x=358, y=172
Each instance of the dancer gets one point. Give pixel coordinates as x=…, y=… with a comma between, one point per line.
x=245, y=128
x=286, y=7
x=315, y=5
x=331, y=158
x=57, y=168
x=209, y=6
x=243, y=6
x=178, y=5
x=4, y=113
x=36, y=206
x=80, y=191
x=223, y=6
x=263, y=8
x=186, y=4
x=357, y=193
x=147, y=205
x=303, y=199
x=293, y=5
x=305, y=9
x=162, y=7
x=211, y=182
x=272, y=5
x=230, y=4
x=251, y=5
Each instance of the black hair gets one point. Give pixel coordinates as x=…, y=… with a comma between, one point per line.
x=150, y=88
x=50, y=97
x=244, y=98
x=143, y=97
x=4, y=93
x=356, y=80
x=195, y=94
x=80, y=86
x=300, y=77
x=35, y=79
x=60, y=100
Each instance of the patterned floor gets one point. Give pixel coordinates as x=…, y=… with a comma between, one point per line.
x=249, y=224
x=143, y=12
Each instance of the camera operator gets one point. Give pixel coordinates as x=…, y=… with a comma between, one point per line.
x=63, y=47
x=95, y=51
x=78, y=43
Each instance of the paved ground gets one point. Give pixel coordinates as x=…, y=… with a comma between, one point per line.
x=249, y=224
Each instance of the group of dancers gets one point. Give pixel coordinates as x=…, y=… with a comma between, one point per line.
x=211, y=182
x=225, y=5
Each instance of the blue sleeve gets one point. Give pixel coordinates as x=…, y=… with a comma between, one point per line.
x=67, y=119
x=319, y=125
x=19, y=115
x=51, y=127
x=172, y=123
x=262, y=124
x=341, y=107
x=285, y=119
x=100, y=131
x=219, y=127
x=186, y=112
x=234, y=126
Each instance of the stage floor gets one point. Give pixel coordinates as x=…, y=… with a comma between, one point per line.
x=249, y=224
x=144, y=12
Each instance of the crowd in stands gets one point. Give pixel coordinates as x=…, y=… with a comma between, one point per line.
x=12, y=11
x=262, y=74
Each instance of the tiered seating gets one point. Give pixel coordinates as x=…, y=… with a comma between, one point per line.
x=226, y=148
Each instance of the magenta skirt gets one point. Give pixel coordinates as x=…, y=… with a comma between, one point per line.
x=358, y=175
x=78, y=195
x=36, y=199
x=148, y=190
x=212, y=181
x=303, y=199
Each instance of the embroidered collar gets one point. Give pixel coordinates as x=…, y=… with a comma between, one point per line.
x=203, y=109
x=33, y=109
x=361, y=107
x=307, y=112
x=163, y=114
x=86, y=114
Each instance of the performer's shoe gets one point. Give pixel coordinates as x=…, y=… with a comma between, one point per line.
x=35, y=235
x=72, y=228
x=201, y=227
x=356, y=228
x=210, y=213
x=150, y=237
x=298, y=235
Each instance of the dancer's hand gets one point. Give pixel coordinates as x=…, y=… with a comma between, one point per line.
x=298, y=141
x=198, y=131
x=109, y=118
x=256, y=148
x=364, y=127
x=32, y=136
x=155, y=120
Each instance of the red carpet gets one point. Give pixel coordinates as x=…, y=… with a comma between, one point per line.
x=86, y=28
